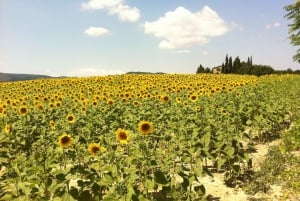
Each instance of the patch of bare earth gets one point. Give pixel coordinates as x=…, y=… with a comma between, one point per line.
x=217, y=190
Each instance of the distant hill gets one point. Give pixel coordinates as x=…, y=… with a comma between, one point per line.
x=11, y=77
x=138, y=72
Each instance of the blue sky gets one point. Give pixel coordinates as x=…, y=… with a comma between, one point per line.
x=96, y=37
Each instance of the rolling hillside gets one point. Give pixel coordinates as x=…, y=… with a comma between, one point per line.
x=10, y=77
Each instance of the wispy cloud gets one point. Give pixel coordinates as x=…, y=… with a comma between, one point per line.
x=274, y=25
x=182, y=51
x=96, y=31
x=84, y=72
x=100, y=4
x=181, y=28
x=114, y=7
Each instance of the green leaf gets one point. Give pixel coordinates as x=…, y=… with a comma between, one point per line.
x=67, y=197
x=236, y=169
x=160, y=178
x=111, y=196
x=200, y=190
x=105, y=180
x=185, y=184
x=220, y=163
x=149, y=184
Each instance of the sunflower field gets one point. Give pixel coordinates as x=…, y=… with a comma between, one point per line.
x=136, y=137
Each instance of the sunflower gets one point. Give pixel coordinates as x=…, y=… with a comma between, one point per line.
x=70, y=118
x=165, y=98
x=40, y=107
x=52, y=124
x=193, y=97
x=197, y=108
x=65, y=140
x=145, y=127
x=51, y=105
x=95, y=103
x=122, y=136
x=110, y=102
x=178, y=99
x=94, y=148
x=223, y=111
x=23, y=110
x=2, y=109
x=7, y=128
x=136, y=103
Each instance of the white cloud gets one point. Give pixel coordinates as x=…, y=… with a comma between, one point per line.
x=96, y=31
x=84, y=72
x=274, y=25
x=205, y=52
x=114, y=7
x=182, y=28
x=126, y=13
x=100, y=4
x=182, y=51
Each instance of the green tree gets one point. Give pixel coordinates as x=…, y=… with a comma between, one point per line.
x=236, y=64
x=200, y=69
x=293, y=14
x=230, y=65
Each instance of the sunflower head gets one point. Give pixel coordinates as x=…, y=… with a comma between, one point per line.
x=70, y=118
x=178, y=99
x=223, y=111
x=122, y=136
x=23, y=110
x=95, y=148
x=145, y=127
x=165, y=98
x=65, y=140
x=110, y=102
x=193, y=97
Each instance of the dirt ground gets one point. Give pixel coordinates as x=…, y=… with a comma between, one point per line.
x=218, y=191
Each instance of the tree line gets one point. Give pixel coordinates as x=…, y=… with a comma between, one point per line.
x=236, y=66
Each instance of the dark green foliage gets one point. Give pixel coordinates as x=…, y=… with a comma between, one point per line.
x=201, y=69
x=293, y=14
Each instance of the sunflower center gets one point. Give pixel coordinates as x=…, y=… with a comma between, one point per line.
x=23, y=110
x=166, y=98
x=123, y=136
x=70, y=118
x=145, y=127
x=95, y=149
x=65, y=140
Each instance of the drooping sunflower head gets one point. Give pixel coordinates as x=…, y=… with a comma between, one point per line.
x=70, y=118
x=65, y=140
x=2, y=111
x=7, y=128
x=95, y=148
x=145, y=127
x=23, y=110
x=122, y=136
x=52, y=124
